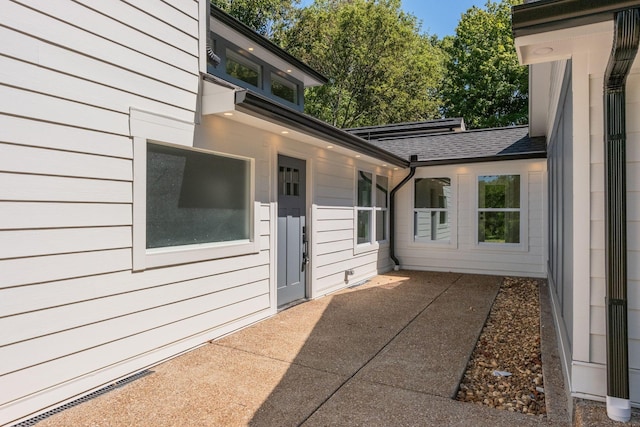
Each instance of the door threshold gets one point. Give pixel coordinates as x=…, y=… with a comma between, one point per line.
x=291, y=304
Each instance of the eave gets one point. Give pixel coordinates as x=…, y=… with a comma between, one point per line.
x=551, y=15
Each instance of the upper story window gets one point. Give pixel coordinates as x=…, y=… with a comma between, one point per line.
x=243, y=68
x=499, y=209
x=283, y=88
x=431, y=209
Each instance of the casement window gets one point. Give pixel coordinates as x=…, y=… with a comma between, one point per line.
x=432, y=210
x=189, y=204
x=371, y=208
x=499, y=209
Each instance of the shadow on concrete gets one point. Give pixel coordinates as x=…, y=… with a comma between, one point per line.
x=400, y=333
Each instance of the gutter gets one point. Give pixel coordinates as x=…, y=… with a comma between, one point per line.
x=259, y=106
x=392, y=212
x=626, y=37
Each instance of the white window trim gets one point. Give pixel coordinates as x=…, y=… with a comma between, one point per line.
x=524, y=214
x=148, y=127
x=452, y=243
x=373, y=243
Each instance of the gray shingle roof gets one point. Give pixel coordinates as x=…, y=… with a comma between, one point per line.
x=409, y=129
x=474, y=145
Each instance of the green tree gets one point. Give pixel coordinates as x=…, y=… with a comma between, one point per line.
x=483, y=81
x=267, y=17
x=381, y=68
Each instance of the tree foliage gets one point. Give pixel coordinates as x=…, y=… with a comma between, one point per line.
x=483, y=81
x=267, y=17
x=381, y=69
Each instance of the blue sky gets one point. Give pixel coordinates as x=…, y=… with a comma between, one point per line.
x=438, y=16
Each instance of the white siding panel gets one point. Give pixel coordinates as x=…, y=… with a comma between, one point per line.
x=49, y=215
x=23, y=47
x=42, y=188
x=29, y=243
x=323, y=214
x=42, y=107
x=336, y=224
x=25, y=353
x=18, y=158
x=334, y=236
x=145, y=21
x=42, y=80
x=341, y=266
x=62, y=34
x=186, y=20
x=104, y=26
x=41, y=296
x=17, y=130
x=21, y=383
x=331, y=247
x=188, y=7
x=23, y=271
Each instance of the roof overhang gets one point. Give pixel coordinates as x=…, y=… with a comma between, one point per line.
x=244, y=37
x=464, y=160
x=551, y=15
x=223, y=99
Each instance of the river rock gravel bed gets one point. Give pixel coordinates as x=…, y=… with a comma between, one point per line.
x=505, y=369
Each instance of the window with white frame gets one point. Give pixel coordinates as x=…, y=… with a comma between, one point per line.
x=499, y=209
x=195, y=197
x=431, y=209
x=371, y=208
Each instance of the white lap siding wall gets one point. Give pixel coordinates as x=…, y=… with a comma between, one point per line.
x=462, y=253
x=73, y=315
x=331, y=178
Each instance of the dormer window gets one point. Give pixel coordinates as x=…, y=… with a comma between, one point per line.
x=243, y=69
x=283, y=88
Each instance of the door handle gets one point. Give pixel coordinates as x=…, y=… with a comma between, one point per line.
x=305, y=249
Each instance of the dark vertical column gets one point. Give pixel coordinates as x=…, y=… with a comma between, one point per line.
x=625, y=47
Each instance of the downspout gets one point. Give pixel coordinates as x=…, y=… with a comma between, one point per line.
x=392, y=212
x=626, y=36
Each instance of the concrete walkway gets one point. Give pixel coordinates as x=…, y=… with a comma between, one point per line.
x=389, y=352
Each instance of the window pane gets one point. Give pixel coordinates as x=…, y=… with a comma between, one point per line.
x=432, y=225
x=499, y=191
x=381, y=225
x=284, y=89
x=195, y=197
x=382, y=186
x=499, y=227
x=364, y=227
x=364, y=189
x=432, y=193
x=243, y=69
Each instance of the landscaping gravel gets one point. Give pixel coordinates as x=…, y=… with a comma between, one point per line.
x=505, y=369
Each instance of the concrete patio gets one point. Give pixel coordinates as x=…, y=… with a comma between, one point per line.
x=389, y=352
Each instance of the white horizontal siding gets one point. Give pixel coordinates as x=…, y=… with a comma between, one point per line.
x=463, y=254
x=25, y=215
x=31, y=243
x=17, y=130
x=43, y=188
x=23, y=271
x=20, y=383
x=73, y=37
x=31, y=50
x=21, y=159
x=161, y=311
